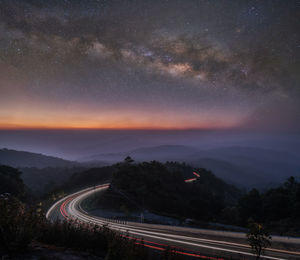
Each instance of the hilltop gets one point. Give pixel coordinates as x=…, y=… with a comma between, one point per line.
x=28, y=159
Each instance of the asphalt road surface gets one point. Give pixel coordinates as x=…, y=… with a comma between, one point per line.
x=191, y=242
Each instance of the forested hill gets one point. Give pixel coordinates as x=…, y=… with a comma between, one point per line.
x=162, y=188
x=27, y=159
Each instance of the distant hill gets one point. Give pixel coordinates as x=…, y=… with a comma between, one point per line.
x=27, y=159
x=240, y=165
x=159, y=153
x=251, y=166
x=42, y=173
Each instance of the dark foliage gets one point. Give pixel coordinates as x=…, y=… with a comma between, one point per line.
x=18, y=224
x=250, y=206
x=278, y=208
x=42, y=181
x=77, y=181
x=71, y=234
x=21, y=224
x=11, y=182
x=161, y=188
x=88, y=178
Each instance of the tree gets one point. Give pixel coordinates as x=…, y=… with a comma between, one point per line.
x=250, y=206
x=11, y=182
x=290, y=183
x=128, y=160
x=258, y=238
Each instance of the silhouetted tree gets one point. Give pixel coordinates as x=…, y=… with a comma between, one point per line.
x=250, y=206
x=11, y=182
x=128, y=160
x=258, y=238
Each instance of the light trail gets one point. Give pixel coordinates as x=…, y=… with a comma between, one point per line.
x=190, y=180
x=70, y=208
x=196, y=174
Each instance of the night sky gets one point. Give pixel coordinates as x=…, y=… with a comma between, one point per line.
x=174, y=64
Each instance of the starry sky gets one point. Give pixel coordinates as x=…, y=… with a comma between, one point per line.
x=147, y=64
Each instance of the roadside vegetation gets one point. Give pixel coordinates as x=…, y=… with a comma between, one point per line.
x=258, y=238
x=277, y=208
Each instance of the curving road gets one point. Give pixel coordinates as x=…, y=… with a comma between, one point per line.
x=187, y=241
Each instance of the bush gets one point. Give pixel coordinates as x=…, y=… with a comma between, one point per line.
x=18, y=224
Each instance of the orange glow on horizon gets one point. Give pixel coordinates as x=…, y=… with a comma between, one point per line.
x=84, y=117
x=106, y=127
x=114, y=123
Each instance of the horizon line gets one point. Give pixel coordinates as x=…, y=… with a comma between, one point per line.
x=117, y=128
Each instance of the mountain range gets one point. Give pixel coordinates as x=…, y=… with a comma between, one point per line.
x=240, y=165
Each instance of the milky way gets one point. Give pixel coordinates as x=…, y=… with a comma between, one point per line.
x=150, y=64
